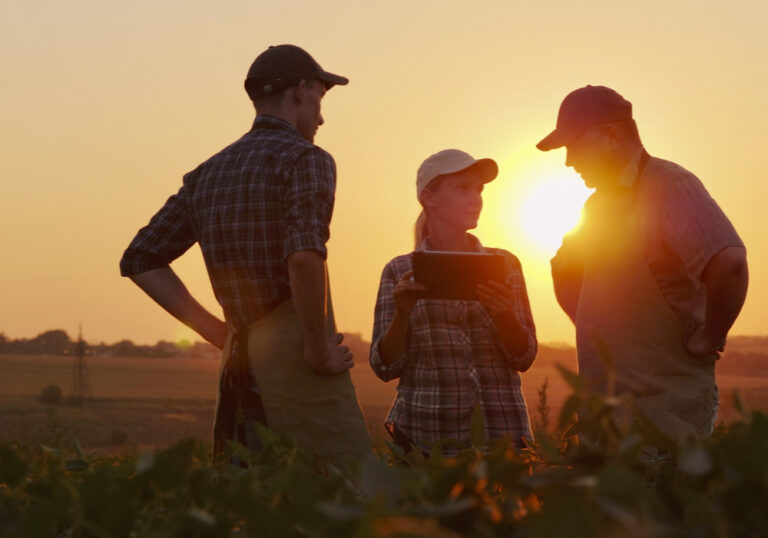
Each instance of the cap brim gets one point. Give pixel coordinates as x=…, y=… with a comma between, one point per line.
x=488, y=169
x=555, y=139
x=332, y=80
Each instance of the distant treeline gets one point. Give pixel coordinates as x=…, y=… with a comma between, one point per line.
x=745, y=354
x=58, y=342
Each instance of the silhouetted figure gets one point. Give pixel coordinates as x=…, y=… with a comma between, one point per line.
x=656, y=274
x=449, y=355
x=260, y=210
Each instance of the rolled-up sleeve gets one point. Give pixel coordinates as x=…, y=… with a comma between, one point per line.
x=522, y=310
x=308, y=203
x=167, y=236
x=693, y=224
x=385, y=311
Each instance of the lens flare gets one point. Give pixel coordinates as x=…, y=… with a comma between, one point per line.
x=550, y=209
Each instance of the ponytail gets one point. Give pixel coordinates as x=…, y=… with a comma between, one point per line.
x=421, y=229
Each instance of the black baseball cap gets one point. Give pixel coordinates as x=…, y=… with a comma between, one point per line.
x=281, y=66
x=583, y=108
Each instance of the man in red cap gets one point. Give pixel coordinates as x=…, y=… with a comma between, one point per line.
x=656, y=274
x=260, y=210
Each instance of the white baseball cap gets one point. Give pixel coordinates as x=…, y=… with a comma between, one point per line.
x=450, y=161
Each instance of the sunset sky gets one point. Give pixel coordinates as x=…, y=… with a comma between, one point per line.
x=106, y=104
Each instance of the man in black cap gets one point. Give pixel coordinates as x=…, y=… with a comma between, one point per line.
x=654, y=277
x=260, y=210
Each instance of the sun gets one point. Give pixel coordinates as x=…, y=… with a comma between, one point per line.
x=550, y=208
x=533, y=204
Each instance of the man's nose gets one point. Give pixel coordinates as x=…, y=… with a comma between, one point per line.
x=322, y=121
x=568, y=158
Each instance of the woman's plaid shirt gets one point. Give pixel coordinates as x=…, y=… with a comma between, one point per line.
x=454, y=360
x=269, y=194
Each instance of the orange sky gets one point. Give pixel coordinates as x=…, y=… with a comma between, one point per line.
x=106, y=104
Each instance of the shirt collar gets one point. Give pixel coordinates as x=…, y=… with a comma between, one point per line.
x=272, y=122
x=474, y=244
x=629, y=173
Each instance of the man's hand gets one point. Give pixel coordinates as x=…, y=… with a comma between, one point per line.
x=702, y=345
x=725, y=278
x=167, y=290
x=334, y=359
x=216, y=333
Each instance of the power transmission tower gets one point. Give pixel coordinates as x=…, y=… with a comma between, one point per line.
x=81, y=387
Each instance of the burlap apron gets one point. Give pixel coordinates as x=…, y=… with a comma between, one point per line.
x=623, y=317
x=320, y=412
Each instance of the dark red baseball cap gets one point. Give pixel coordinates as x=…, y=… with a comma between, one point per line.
x=583, y=108
x=281, y=66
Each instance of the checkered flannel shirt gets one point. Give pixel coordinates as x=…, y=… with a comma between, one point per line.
x=269, y=194
x=454, y=360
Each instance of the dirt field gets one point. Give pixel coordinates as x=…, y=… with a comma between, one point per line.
x=147, y=403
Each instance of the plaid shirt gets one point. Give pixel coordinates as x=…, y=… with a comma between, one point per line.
x=264, y=197
x=454, y=360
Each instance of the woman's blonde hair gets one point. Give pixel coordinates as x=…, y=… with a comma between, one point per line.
x=421, y=228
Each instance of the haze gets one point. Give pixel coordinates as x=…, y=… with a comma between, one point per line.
x=105, y=105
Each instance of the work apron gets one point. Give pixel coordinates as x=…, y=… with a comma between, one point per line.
x=319, y=411
x=628, y=339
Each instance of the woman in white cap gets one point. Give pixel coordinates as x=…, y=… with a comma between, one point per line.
x=451, y=356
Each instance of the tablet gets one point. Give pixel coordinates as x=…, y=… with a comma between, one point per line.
x=455, y=275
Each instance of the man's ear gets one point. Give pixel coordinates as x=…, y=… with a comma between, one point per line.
x=298, y=91
x=614, y=136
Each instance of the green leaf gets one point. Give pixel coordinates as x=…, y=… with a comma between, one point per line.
x=572, y=378
x=76, y=465
x=740, y=404
x=415, y=457
x=546, y=447
x=477, y=434
x=171, y=465
x=12, y=468
x=450, y=507
x=202, y=517
x=695, y=461
x=52, y=451
x=378, y=481
x=619, y=483
x=78, y=448
x=436, y=454
x=396, y=450
x=569, y=409
x=144, y=462
x=340, y=511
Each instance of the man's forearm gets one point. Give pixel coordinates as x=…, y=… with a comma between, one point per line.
x=306, y=271
x=567, y=278
x=167, y=290
x=725, y=278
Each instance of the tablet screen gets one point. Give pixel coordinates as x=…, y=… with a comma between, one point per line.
x=455, y=275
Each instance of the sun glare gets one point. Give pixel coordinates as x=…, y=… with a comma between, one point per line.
x=540, y=202
x=550, y=209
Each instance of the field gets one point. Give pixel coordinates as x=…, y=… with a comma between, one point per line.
x=114, y=487
x=150, y=403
